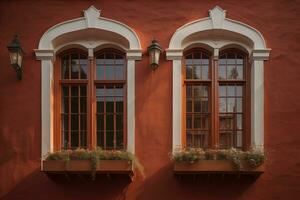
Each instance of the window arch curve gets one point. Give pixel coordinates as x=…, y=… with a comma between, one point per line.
x=220, y=34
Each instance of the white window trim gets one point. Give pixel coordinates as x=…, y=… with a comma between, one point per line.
x=259, y=53
x=46, y=53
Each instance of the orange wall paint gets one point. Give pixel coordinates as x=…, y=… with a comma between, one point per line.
x=20, y=118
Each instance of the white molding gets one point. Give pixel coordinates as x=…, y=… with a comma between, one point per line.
x=215, y=33
x=48, y=48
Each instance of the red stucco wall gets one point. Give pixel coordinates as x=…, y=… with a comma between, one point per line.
x=20, y=118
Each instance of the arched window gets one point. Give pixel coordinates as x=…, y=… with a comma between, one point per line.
x=215, y=99
x=91, y=100
x=235, y=89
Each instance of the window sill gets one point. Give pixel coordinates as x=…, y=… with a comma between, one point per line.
x=216, y=166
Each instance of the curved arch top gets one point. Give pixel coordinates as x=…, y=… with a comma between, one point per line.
x=217, y=21
x=91, y=22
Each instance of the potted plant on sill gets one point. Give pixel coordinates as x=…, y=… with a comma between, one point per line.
x=197, y=160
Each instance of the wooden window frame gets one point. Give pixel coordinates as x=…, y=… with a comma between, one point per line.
x=91, y=84
x=213, y=138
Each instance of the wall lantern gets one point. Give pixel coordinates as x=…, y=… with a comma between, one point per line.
x=154, y=51
x=16, y=55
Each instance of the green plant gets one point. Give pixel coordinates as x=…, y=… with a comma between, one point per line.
x=189, y=155
x=253, y=158
x=95, y=156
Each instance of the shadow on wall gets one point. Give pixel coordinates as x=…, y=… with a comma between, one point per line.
x=162, y=185
x=165, y=185
x=41, y=187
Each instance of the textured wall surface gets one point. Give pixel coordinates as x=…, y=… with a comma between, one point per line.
x=20, y=102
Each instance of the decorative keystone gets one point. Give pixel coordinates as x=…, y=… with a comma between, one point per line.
x=91, y=15
x=217, y=15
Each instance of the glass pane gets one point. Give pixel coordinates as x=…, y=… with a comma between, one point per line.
x=189, y=105
x=222, y=105
x=75, y=72
x=222, y=91
x=239, y=91
x=197, y=72
x=205, y=72
x=109, y=105
x=239, y=105
x=119, y=90
x=83, y=122
x=65, y=67
x=109, y=139
x=109, y=91
x=230, y=58
x=65, y=91
x=100, y=122
x=189, y=121
x=120, y=142
x=189, y=139
x=205, y=61
x=119, y=59
x=119, y=122
x=119, y=70
x=65, y=140
x=239, y=139
x=189, y=72
x=74, y=123
x=226, y=122
x=240, y=74
x=83, y=139
x=83, y=105
x=74, y=140
x=100, y=60
x=109, y=58
x=200, y=91
x=74, y=105
x=231, y=72
x=110, y=122
x=225, y=139
x=65, y=105
x=100, y=139
x=240, y=60
x=100, y=105
x=109, y=72
x=64, y=122
x=197, y=105
x=231, y=105
x=230, y=91
x=222, y=72
x=83, y=71
x=205, y=122
x=197, y=121
x=100, y=91
x=119, y=104
x=100, y=73
x=204, y=105
x=239, y=121
x=74, y=91
x=83, y=91
x=197, y=58
x=189, y=91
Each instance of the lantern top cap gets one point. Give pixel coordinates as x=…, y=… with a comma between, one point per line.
x=154, y=45
x=15, y=45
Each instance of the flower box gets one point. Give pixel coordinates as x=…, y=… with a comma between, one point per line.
x=107, y=166
x=114, y=166
x=215, y=166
